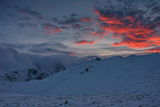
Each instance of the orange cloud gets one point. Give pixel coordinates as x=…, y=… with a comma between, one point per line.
x=52, y=30
x=85, y=19
x=110, y=20
x=132, y=44
x=131, y=32
x=85, y=42
x=72, y=53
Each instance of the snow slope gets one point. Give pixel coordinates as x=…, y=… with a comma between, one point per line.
x=116, y=75
x=11, y=60
x=15, y=66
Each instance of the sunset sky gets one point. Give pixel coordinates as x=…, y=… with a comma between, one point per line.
x=80, y=27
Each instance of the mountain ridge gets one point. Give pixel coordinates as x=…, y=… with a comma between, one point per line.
x=116, y=75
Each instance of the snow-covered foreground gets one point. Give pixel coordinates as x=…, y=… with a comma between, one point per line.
x=128, y=100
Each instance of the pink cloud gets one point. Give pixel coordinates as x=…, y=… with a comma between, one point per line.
x=52, y=30
x=85, y=42
x=129, y=32
x=85, y=19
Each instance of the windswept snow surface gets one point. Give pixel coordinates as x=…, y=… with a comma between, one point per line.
x=127, y=100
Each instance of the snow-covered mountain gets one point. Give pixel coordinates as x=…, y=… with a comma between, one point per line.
x=15, y=66
x=116, y=75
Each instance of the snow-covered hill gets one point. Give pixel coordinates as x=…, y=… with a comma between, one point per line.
x=116, y=75
x=15, y=66
x=11, y=60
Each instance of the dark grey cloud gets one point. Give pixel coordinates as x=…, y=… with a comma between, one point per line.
x=40, y=48
x=49, y=45
x=53, y=48
x=76, y=26
x=24, y=18
x=29, y=12
x=66, y=20
x=27, y=24
x=50, y=50
x=73, y=21
x=53, y=25
x=73, y=14
x=43, y=25
x=35, y=47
